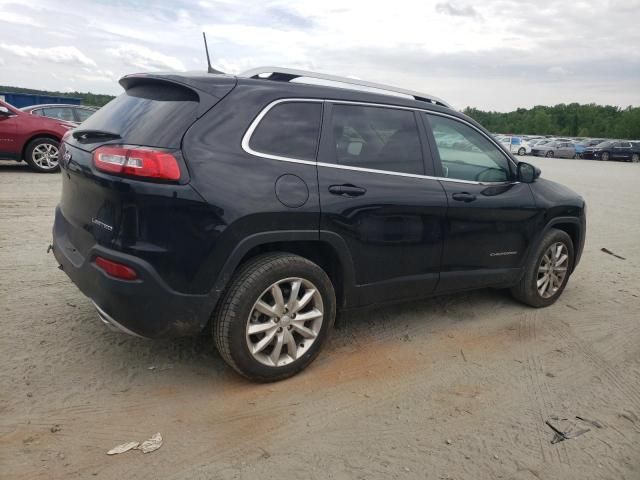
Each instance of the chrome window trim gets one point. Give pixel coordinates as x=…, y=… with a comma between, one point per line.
x=246, y=139
x=256, y=121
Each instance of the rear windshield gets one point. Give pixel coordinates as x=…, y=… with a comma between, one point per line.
x=152, y=115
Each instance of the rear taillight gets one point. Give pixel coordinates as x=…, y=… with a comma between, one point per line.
x=137, y=162
x=115, y=269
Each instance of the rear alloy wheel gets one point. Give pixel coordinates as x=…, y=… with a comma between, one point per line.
x=522, y=151
x=549, y=154
x=274, y=317
x=547, y=272
x=605, y=156
x=42, y=155
x=280, y=331
x=635, y=158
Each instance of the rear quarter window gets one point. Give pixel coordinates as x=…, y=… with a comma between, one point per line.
x=153, y=114
x=290, y=130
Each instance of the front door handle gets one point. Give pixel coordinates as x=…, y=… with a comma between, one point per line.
x=347, y=190
x=464, y=197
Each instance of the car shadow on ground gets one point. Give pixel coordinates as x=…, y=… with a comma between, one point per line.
x=10, y=166
x=365, y=328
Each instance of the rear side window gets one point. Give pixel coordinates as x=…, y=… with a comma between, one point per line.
x=61, y=113
x=377, y=138
x=290, y=130
x=153, y=114
x=83, y=114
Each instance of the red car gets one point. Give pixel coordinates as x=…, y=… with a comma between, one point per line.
x=31, y=138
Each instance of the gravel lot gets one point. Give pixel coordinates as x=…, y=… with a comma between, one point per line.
x=452, y=387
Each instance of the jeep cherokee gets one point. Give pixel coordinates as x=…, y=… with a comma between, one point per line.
x=256, y=205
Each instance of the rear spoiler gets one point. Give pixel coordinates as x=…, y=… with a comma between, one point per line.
x=209, y=88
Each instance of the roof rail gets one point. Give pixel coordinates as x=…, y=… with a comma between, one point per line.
x=288, y=74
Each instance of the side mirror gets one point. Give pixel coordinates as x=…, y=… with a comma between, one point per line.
x=4, y=111
x=527, y=173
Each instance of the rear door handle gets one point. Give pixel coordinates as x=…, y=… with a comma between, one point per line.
x=347, y=190
x=464, y=197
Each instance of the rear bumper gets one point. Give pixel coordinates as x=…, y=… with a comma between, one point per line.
x=147, y=306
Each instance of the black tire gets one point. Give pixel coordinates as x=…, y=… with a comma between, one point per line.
x=635, y=158
x=549, y=154
x=605, y=156
x=522, y=151
x=526, y=290
x=31, y=153
x=235, y=307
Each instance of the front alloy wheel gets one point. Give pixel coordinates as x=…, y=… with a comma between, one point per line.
x=546, y=271
x=552, y=270
x=284, y=322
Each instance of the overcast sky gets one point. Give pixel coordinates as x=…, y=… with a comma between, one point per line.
x=491, y=54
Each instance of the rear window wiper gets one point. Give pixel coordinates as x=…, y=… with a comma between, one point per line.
x=90, y=136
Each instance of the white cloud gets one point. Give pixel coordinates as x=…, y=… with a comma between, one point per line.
x=17, y=18
x=495, y=54
x=65, y=54
x=145, y=58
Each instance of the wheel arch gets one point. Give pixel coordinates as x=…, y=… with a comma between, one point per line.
x=572, y=227
x=327, y=249
x=35, y=136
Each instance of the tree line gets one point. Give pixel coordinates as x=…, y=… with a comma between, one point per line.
x=573, y=120
x=88, y=98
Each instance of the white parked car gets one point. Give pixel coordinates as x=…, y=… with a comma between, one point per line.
x=516, y=145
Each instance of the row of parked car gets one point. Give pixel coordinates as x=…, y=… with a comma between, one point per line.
x=589, y=148
x=33, y=133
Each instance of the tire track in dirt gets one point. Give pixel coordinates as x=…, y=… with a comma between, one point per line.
x=630, y=390
x=539, y=388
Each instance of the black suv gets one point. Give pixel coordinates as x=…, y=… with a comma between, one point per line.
x=257, y=206
x=614, y=150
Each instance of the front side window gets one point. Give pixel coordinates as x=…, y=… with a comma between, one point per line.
x=378, y=138
x=289, y=130
x=465, y=153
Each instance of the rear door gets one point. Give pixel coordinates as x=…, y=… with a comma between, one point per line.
x=491, y=217
x=376, y=195
x=566, y=150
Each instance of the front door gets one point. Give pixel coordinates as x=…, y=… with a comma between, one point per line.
x=8, y=148
x=374, y=194
x=491, y=217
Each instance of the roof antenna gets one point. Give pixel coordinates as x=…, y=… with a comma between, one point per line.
x=210, y=69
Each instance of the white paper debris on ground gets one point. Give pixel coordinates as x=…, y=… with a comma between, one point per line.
x=125, y=447
x=152, y=444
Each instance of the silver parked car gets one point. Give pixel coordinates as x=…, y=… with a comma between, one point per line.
x=555, y=149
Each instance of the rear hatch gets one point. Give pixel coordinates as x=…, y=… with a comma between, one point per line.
x=100, y=197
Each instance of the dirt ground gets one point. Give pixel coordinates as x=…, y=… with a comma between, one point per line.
x=452, y=387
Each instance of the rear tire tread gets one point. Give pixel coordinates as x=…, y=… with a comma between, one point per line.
x=226, y=314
